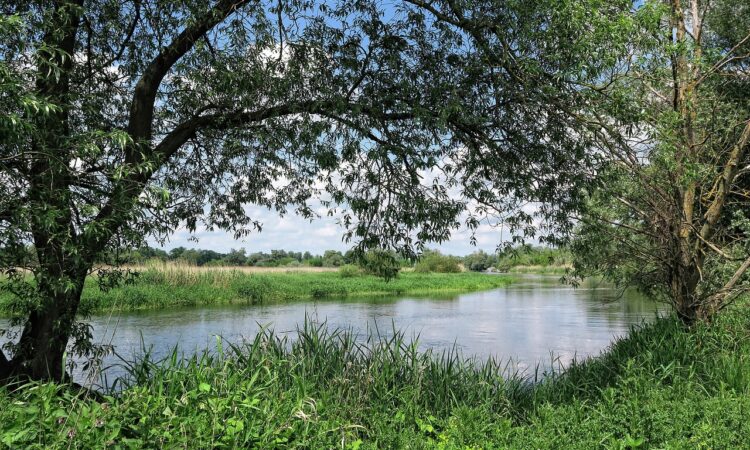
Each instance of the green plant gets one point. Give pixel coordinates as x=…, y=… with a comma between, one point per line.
x=434, y=261
x=663, y=386
x=349, y=271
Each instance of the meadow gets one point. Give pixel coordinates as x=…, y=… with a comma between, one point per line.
x=167, y=286
x=664, y=386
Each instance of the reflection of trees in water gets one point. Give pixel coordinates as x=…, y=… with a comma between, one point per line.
x=618, y=305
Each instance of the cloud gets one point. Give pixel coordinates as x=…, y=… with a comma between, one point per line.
x=293, y=232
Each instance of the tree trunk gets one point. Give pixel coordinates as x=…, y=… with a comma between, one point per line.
x=5, y=366
x=41, y=348
x=685, y=280
x=59, y=280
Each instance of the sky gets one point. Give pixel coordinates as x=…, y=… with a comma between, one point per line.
x=295, y=233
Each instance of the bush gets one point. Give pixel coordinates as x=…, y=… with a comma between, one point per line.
x=479, y=261
x=434, y=261
x=332, y=258
x=315, y=261
x=349, y=271
x=381, y=263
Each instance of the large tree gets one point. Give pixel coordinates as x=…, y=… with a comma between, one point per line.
x=663, y=116
x=124, y=119
x=672, y=214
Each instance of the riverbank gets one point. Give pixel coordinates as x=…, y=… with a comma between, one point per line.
x=176, y=287
x=661, y=387
x=541, y=269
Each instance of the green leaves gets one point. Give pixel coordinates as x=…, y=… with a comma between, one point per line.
x=662, y=386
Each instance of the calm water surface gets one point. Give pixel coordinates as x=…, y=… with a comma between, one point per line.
x=529, y=322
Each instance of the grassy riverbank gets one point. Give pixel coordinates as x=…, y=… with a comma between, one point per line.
x=170, y=287
x=662, y=387
x=542, y=270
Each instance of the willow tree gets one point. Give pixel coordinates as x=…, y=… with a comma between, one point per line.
x=673, y=118
x=662, y=111
x=122, y=120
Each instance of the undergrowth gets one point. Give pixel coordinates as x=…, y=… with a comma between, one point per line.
x=664, y=386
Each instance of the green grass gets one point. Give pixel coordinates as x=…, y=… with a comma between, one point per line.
x=662, y=387
x=162, y=289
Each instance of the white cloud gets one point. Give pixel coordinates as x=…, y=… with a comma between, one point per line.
x=293, y=232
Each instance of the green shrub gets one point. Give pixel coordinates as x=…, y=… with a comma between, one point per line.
x=434, y=261
x=381, y=263
x=349, y=271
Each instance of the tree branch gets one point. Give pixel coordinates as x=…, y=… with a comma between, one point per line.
x=732, y=281
x=142, y=105
x=114, y=213
x=713, y=214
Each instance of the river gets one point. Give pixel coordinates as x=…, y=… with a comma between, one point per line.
x=534, y=322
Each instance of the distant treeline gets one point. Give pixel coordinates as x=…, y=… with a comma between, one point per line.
x=431, y=260
x=240, y=257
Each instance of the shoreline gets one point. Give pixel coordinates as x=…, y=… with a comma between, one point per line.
x=157, y=289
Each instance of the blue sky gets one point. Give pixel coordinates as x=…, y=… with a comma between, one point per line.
x=295, y=233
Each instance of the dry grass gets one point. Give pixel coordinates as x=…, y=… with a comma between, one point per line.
x=181, y=267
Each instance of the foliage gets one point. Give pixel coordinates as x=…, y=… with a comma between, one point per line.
x=128, y=120
x=479, y=261
x=664, y=386
x=534, y=259
x=674, y=122
x=333, y=258
x=434, y=261
x=349, y=271
x=380, y=263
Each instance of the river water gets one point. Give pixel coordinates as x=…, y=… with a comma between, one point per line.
x=533, y=323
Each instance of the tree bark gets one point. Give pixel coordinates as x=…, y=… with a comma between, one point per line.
x=5, y=366
x=44, y=339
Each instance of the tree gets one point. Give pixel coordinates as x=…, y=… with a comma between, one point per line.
x=236, y=257
x=662, y=114
x=176, y=252
x=479, y=261
x=126, y=119
x=381, y=263
x=434, y=261
x=671, y=214
x=333, y=258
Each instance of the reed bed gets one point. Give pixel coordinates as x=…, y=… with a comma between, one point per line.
x=172, y=266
